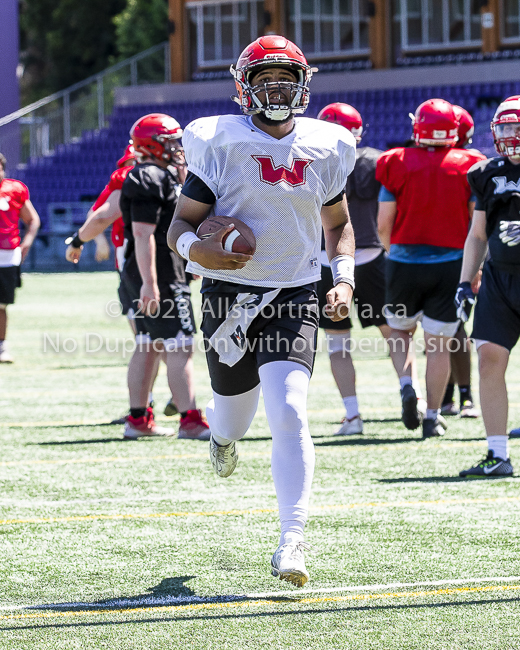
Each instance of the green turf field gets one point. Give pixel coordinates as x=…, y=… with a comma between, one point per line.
x=138, y=545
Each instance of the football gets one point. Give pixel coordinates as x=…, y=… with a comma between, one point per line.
x=239, y=240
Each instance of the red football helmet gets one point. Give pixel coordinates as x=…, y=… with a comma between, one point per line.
x=275, y=51
x=158, y=136
x=435, y=124
x=344, y=115
x=129, y=155
x=466, y=126
x=505, y=127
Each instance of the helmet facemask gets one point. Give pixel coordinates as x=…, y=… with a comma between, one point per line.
x=289, y=96
x=507, y=139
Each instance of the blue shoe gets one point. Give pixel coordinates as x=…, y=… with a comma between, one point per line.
x=514, y=433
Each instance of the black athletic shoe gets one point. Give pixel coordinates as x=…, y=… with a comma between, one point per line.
x=489, y=467
x=434, y=428
x=410, y=415
x=514, y=433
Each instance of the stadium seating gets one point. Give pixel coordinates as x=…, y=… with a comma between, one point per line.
x=78, y=171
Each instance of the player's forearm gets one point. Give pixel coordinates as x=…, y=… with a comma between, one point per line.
x=145, y=256
x=31, y=230
x=475, y=250
x=99, y=220
x=339, y=241
x=177, y=227
x=96, y=224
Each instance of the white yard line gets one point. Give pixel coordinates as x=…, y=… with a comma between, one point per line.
x=151, y=601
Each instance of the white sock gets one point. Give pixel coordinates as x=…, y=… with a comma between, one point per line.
x=417, y=389
x=351, y=407
x=285, y=385
x=498, y=445
x=432, y=414
x=405, y=381
x=150, y=397
x=291, y=538
x=2, y=346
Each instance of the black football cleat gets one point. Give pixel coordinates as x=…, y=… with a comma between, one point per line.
x=410, y=414
x=433, y=428
x=489, y=467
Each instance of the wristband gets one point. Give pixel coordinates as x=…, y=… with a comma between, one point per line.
x=185, y=242
x=74, y=241
x=342, y=267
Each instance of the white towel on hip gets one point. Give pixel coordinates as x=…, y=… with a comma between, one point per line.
x=229, y=340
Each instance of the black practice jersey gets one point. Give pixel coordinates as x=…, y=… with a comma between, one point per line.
x=149, y=195
x=362, y=195
x=496, y=186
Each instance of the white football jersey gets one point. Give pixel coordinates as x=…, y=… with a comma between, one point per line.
x=277, y=187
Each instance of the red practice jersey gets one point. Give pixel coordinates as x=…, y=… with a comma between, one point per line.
x=115, y=183
x=432, y=193
x=13, y=195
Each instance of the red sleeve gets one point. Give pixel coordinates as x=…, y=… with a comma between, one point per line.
x=388, y=171
x=115, y=183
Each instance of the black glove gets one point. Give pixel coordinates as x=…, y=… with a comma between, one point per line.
x=464, y=301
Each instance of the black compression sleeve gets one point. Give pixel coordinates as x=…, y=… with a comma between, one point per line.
x=196, y=189
x=336, y=199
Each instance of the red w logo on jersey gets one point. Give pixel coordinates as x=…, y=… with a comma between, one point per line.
x=272, y=174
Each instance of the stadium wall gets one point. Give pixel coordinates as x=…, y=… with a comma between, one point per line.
x=482, y=72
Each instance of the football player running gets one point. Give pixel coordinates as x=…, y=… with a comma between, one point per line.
x=285, y=177
x=15, y=205
x=155, y=280
x=370, y=259
x=424, y=216
x=496, y=326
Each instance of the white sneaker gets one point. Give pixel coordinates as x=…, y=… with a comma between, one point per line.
x=422, y=406
x=350, y=427
x=223, y=458
x=288, y=563
x=5, y=356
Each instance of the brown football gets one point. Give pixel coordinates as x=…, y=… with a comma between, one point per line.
x=239, y=240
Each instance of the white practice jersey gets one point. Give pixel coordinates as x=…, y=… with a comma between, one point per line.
x=277, y=187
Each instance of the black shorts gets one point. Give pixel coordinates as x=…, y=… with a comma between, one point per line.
x=497, y=312
x=174, y=314
x=284, y=330
x=427, y=288
x=124, y=298
x=369, y=295
x=10, y=280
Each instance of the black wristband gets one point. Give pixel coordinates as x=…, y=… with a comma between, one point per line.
x=75, y=241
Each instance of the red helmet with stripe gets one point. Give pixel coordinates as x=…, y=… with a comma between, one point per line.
x=344, y=115
x=505, y=127
x=129, y=155
x=272, y=51
x=156, y=136
x=435, y=124
x=466, y=126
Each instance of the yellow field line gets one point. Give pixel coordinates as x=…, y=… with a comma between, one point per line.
x=255, y=511
x=262, y=602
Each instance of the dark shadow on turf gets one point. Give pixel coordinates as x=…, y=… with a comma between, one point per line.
x=442, y=479
x=168, y=588
x=78, y=442
x=342, y=441
x=366, y=608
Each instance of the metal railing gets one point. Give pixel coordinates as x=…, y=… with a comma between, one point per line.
x=37, y=129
